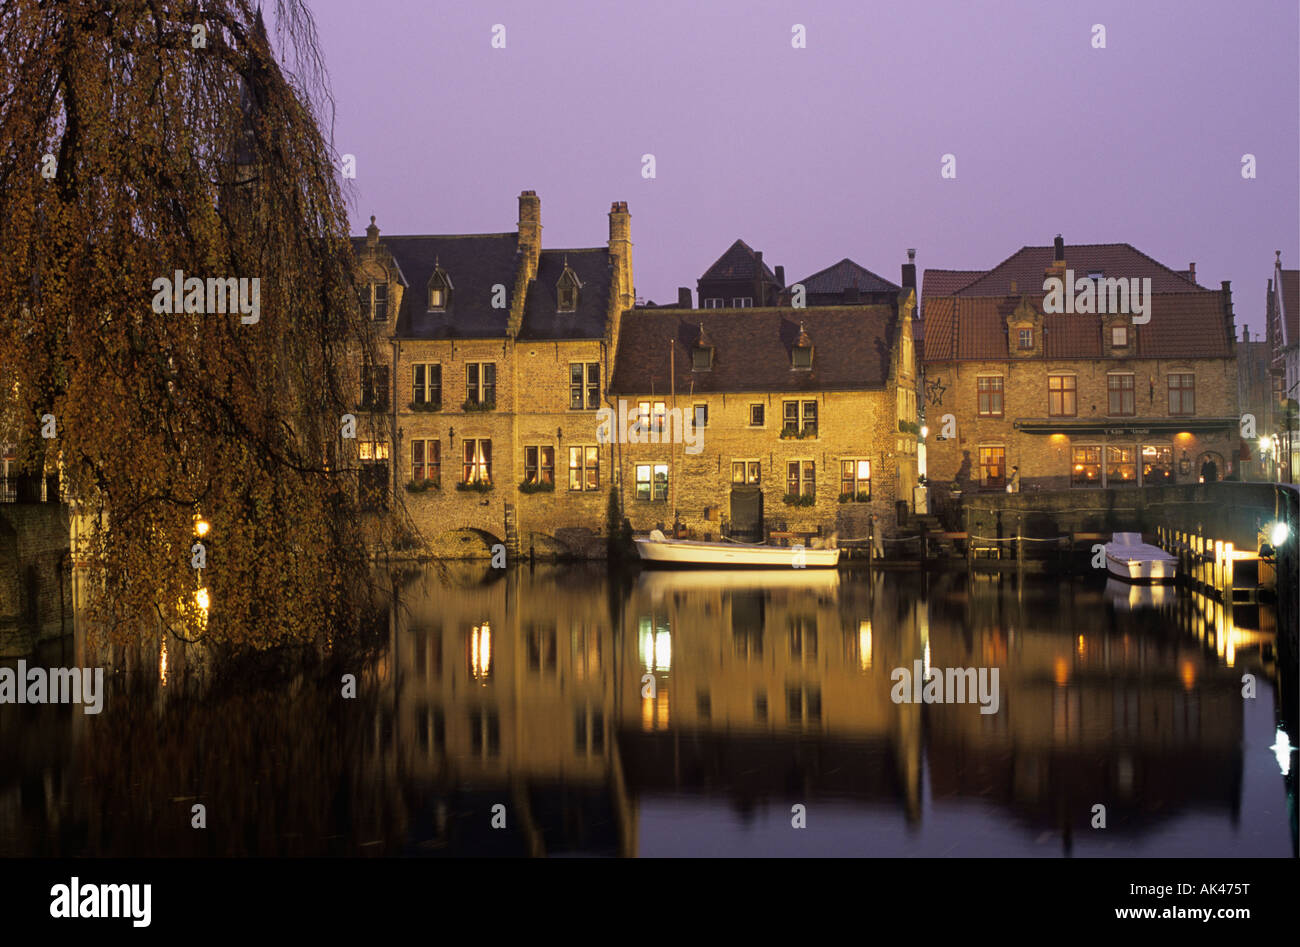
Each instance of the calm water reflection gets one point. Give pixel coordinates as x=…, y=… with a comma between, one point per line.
x=685, y=713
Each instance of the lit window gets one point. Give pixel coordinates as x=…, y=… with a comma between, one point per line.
x=584, y=468
x=801, y=478
x=745, y=472
x=1119, y=337
x=855, y=479
x=478, y=461
x=1062, y=396
x=993, y=466
x=1085, y=471
x=652, y=481
x=1121, y=467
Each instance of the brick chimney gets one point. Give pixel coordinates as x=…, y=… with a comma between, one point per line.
x=909, y=270
x=1060, y=249
x=620, y=251
x=758, y=279
x=530, y=249
x=1191, y=270
x=780, y=276
x=683, y=297
x=530, y=229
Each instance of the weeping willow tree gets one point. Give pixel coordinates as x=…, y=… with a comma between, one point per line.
x=145, y=143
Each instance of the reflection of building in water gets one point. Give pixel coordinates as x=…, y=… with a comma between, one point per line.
x=769, y=685
x=1100, y=703
x=501, y=694
x=527, y=691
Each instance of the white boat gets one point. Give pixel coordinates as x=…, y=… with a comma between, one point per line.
x=1130, y=559
x=658, y=549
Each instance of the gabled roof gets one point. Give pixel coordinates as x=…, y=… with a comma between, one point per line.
x=1028, y=264
x=1183, y=325
x=542, y=318
x=739, y=262
x=846, y=275
x=473, y=262
x=752, y=349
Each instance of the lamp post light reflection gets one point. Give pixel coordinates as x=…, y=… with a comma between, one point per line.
x=480, y=652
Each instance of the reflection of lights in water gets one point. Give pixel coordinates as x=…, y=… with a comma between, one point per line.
x=201, y=527
x=925, y=662
x=480, y=652
x=201, y=597
x=1189, y=675
x=864, y=645
x=656, y=647
x=162, y=662
x=1082, y=646
x=1283, y=749
x=1062, y=670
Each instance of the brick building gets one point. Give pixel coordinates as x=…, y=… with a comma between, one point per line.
x=495, y=354
x=806, y=417
x=1079, y=399
x=739, y=279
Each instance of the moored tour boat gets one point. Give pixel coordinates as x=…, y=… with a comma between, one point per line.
x=1130, y=559
x=659, y=550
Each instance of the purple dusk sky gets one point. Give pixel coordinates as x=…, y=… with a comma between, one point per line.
x=815, y=154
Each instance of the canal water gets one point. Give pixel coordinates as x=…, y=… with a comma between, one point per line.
x=563, y=710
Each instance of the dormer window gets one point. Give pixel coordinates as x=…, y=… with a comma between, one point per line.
x=439, y=289
x=801, y=354
x=702, y=353
x=1026, y=338
x=566, y=290
x=1119, y=337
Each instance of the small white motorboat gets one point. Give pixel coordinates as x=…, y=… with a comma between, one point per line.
x=658, y=549
x=1130, y=559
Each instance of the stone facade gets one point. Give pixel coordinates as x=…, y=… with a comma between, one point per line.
x=1019, y=392
x=496, y=324
x=1046, y=458
x=734, y=476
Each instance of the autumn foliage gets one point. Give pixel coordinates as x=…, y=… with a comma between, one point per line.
x=128, y=151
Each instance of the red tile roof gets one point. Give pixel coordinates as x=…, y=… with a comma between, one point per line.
x=1028, y=264
x=1183, y=325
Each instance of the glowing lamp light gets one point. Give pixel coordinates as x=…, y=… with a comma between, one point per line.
x=201, y=527
x=1266, y=443
x=1278, y=534
x=201, y=597
x=925, y=432
x=1283, y=749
